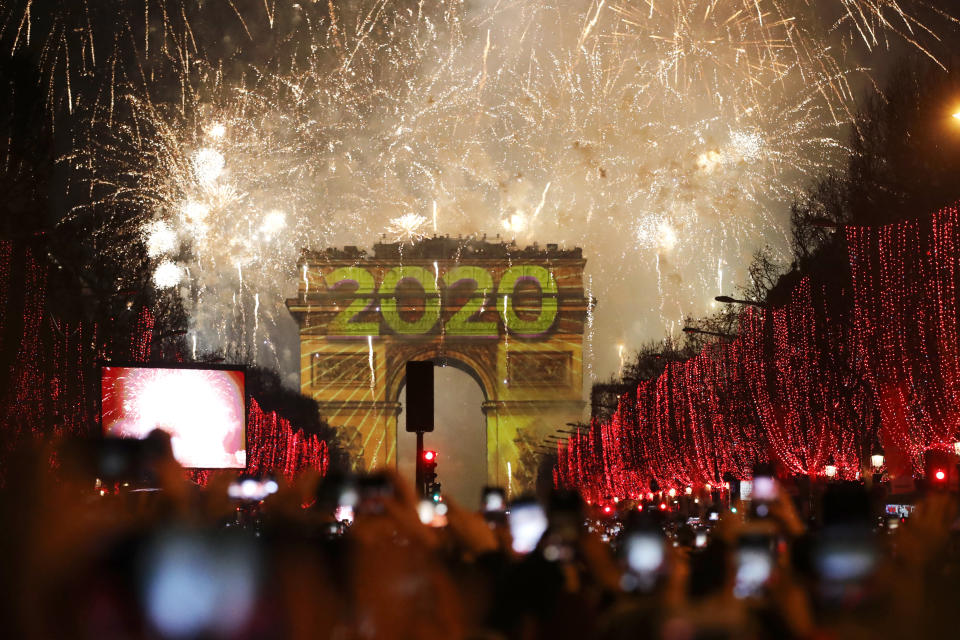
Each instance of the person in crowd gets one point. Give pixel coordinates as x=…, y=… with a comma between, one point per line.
x=118, y=542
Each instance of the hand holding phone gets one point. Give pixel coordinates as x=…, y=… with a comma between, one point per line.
x=754, y=565
x=372, y=490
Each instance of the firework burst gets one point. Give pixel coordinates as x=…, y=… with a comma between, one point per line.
x=665, y=138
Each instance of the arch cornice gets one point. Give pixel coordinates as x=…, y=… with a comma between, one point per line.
x=478, y=361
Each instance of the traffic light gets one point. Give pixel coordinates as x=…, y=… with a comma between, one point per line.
x=429, y=462
x=419, y=396
x=433, y=492
x=940, y=470
x=429, y=467
x=938, y=478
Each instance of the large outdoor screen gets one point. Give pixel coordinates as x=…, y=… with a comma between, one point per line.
x=203, y=410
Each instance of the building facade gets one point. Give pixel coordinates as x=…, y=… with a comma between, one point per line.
x=512, y=318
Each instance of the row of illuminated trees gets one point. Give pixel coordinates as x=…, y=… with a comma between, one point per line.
x=822, y=386
x=49, y=384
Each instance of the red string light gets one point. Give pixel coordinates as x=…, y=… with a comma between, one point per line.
x=906, y=330
x=52, y=387
x=801, y=384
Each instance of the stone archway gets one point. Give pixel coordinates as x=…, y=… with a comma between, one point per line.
x=473, y=364
x=512, y=318
x=460, y=432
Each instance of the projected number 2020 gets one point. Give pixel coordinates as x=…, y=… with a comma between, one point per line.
x=466, y=320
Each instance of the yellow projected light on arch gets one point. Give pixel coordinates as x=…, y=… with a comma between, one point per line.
x=513, y=319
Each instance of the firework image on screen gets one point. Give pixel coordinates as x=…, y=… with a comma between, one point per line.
x=202, y=410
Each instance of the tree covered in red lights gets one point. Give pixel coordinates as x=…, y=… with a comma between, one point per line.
x=798, y=386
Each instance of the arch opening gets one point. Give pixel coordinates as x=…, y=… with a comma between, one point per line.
x=459, y=435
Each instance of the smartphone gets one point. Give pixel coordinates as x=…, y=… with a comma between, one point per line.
x=493, y=505
x=763, y=491
x=251, y=489
x=764, y=488
x=199, y=584
x=565, y=517
x=845, y=559
x=493, y=500
x=344, y=513
x=700, y=539
x=754, y=559
x=120, y=459
x=347, y=499
x=528, y=522
x=645, y=552
x=372, y=490
x=899, y=510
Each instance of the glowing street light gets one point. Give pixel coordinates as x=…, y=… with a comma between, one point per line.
x=876, y=458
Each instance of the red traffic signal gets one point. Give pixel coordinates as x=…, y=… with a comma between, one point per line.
x=939, y=466
x=428, y=469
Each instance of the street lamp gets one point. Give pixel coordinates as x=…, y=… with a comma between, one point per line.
x=826, y=223
x=876, y=458
x=729, y=300
x=708, y=333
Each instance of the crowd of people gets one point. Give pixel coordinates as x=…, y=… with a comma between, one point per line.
x=117, y=542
